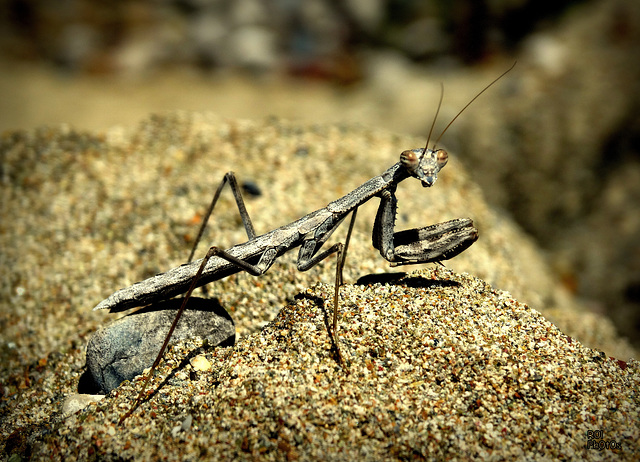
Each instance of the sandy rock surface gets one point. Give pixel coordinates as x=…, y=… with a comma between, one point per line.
x=93, y=212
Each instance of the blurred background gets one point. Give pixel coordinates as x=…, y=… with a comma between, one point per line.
x=555, y=144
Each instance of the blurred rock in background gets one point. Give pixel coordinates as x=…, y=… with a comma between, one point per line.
x=556, y=144
x=316, y=38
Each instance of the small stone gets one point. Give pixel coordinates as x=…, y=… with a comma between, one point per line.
x=200, y=363
x=183, y=427
x=77, y=401
x=251, y=188
x=124, y=348
x=186, y=423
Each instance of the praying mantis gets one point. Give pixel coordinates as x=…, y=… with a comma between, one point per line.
x=429, y=244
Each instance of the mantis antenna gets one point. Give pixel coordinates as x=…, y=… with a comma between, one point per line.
x=461, y=110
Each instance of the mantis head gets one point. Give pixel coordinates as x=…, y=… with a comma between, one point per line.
x=424, y=164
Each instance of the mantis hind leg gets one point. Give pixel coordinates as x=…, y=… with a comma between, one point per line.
x=230, y=178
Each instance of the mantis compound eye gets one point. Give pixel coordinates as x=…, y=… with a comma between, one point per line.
x=442, y=158
x=409, y=159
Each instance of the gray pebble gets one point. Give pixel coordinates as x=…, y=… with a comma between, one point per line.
x=122, y=349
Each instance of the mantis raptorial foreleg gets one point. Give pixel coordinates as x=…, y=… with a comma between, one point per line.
x=429, y=244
